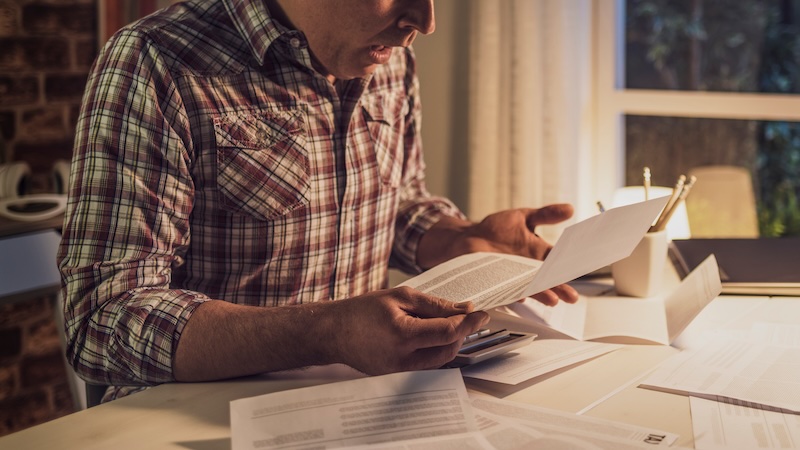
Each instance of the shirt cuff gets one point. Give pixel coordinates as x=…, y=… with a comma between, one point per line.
x=414, y=220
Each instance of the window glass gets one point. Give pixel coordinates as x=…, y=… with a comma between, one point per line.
x=770, y=151
x=713, y=45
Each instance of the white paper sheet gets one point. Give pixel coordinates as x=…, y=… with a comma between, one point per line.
x=535, y=359
x=721, y=423
x=463, y=441
x=725, y=425
x=753, y=372
x=626, y=319
x=493, y=279
x=554, y=426
x=365, y=411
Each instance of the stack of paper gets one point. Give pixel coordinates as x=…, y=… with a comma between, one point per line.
x=420, y=410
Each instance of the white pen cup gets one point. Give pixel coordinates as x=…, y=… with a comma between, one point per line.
x=641, y=273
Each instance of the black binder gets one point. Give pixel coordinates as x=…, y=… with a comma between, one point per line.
x=761, y=266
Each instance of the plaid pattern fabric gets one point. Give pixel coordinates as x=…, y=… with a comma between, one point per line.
x=212, y=162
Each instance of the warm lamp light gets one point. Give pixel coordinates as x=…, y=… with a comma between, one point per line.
x=678, y=225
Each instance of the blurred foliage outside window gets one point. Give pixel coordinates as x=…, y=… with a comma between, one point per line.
x=738, y=46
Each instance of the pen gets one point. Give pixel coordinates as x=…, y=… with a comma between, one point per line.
x=676, y=191
x=600, y=206
x=662, y=223
x=646, y=183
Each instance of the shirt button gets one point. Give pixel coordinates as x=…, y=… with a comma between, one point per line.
x=294, y=42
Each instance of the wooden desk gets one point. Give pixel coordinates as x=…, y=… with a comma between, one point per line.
x=196, y=415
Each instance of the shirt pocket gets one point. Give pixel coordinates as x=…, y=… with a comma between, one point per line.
x=384, y=115
x=262, y=162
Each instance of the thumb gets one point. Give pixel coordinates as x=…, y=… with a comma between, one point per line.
x=425, y=306
x=548, y=215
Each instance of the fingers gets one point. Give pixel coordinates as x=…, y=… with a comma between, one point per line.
x=421, y=305
x=435, y=332
x=564, y=292
x=548, y=298
x=549, y=214
x=437, y=349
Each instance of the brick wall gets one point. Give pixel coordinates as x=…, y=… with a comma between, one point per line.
x=33, y=377
x=46, y=49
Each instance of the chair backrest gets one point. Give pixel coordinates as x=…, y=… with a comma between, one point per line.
x=722, y=204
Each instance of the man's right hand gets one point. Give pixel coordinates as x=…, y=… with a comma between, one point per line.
x=400, y=329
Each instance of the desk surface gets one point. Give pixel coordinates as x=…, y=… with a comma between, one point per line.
x=196, y=415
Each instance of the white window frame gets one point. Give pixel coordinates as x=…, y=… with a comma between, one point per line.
x=613, y=102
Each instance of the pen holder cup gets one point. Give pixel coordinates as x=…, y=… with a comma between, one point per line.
x=640, y=274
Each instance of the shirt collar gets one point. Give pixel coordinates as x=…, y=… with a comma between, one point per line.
x=254, y=23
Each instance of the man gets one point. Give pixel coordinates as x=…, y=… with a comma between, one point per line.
x=238, y=163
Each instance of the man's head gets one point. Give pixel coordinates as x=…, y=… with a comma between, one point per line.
x=350, y=38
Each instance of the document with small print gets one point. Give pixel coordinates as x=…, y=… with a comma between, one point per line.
x=723, y=424
x=496, y=279
x=534, y=427
x=365, y=411
x=764, y=374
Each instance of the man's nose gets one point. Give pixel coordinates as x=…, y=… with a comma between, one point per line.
x=419, y=16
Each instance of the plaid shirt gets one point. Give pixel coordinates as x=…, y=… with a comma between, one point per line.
x=212, y=162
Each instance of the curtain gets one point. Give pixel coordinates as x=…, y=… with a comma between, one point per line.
x=530, y=103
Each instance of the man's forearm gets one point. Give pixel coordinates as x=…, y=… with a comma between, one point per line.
x=224, y=340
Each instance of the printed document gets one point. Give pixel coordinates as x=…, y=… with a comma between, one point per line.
x=764, y=374
x=365, y=411
x=501, y=420
x=616, y=319
x=419, y=410
x=726, y=424
x=535, y=359
x=495, y=279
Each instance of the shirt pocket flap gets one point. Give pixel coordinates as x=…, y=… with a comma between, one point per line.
x=262, y=163
x=256, y=130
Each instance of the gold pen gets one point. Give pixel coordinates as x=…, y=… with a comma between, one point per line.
x=684, y=193
x=676, y=192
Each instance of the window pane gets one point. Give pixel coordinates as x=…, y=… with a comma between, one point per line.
x=713, y=45
x=770, y=151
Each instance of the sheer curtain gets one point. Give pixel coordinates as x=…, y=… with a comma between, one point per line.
x=530, y=112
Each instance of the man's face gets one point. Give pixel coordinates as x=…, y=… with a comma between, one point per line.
x=350, y=38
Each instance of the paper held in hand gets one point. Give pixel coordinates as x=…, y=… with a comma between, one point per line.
x=496, y=279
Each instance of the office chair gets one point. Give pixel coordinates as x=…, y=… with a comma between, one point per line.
x=722, y=203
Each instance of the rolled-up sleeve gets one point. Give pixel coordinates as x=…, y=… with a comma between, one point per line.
x=127, y=220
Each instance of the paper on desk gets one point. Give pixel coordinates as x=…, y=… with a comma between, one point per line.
x=550, y=430
x=535, y=359
x=780, y=334
x=626, y=319
x=721, y=423
x=461, y=441
x=754, y=372
x=495, y=279
x=730, y=424
x=365, y=411
x=556, y=429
